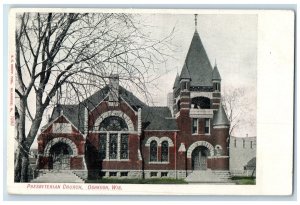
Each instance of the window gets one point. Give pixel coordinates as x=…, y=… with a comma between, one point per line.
x=153, y=174
x=113, y=123
x=217, y=86
x=112, y=174
x=195, y=126
x=102, y=147
x=62, y=128
x=165, y=151
x=184, y=86
x=164, y=174
x=234, y=142
x=207, y=125
x=153, y=151
x=124, y=174
x=243, y=143
x=124, y=146
x=113, y=146
x=251, y=145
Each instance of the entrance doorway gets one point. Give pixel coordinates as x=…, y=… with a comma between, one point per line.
x=199, y=158
x=60, y=154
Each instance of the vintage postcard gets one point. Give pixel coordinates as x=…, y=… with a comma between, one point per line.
x=156, y=102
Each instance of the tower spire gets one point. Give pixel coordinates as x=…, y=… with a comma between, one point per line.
x=196, y=21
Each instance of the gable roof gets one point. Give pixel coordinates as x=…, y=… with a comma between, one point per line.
x=158, y=118
x=197, y=63
x=153, y=118
x=74, y=113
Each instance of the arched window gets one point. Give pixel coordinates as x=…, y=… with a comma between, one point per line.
x=153, y=151
x=113, y=123
x=165, y=151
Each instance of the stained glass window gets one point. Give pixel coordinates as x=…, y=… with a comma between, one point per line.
x=153, y=151
x=113, y=146
x=102, y=147
x=165, y=151
x=113, y=123
x=124, y=146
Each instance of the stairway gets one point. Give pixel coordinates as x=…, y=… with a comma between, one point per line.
x=209, y=176
x=65, y=176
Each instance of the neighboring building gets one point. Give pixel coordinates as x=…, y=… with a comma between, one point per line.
x=242, y=156
x=114, y=134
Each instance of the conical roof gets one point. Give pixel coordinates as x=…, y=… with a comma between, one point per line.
x=176, y=83
x=216, y=75
x=185, y=73
x=197, y=63
x=220, y=117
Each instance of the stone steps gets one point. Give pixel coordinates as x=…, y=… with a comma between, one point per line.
x=57, y=177
x=209, y=176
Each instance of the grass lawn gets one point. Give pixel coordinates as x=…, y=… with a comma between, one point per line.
x=137, y=181
x=244, y=180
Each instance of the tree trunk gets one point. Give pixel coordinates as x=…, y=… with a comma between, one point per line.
x=24, y=170
x=18, y=166
x=21, y=161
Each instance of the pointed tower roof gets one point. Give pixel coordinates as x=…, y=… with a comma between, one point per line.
x=216, y=75
x=176, y=83
x=185, y=74
x=220, y=117
x=197, y=63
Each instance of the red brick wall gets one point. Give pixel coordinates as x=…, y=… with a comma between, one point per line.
x=221, y=136
x=74, y=136
x=146, y=151
x=218, y=163
x=76, y=163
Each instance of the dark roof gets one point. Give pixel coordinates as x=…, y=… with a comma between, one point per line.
x=216, y=75
x=251, y=163
x=98, y=96
x=153, y=118
x=220, y=117
x=74, y=113
x=185, y=73
x=158, y=118
x=198, y=64
x=176, y=83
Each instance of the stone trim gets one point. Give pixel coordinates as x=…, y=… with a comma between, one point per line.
x=159, y=141
x=63, y=140
x=200, y=143
x=115, y=113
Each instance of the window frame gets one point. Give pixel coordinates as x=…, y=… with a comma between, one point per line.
x=207, y=127
x=197, y=126
x=150, y=151
x=167, y=149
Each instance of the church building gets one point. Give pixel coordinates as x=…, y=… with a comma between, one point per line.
x=112, y=133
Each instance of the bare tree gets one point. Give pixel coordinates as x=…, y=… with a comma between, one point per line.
x=237, y=107
x=74, y=51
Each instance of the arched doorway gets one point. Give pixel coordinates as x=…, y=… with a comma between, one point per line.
x=199, y=158
x=60, y=154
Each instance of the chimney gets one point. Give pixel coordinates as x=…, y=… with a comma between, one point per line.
x=113, y=88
